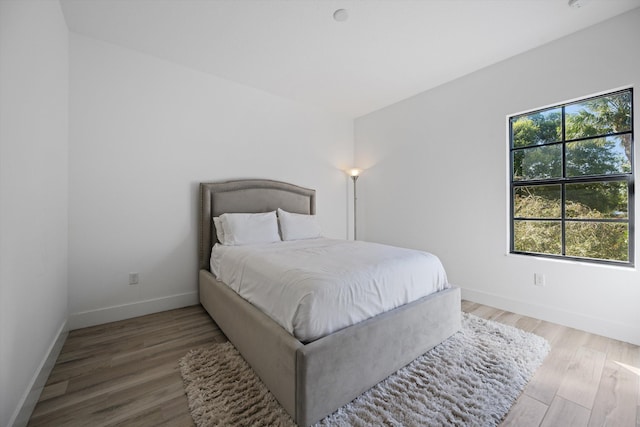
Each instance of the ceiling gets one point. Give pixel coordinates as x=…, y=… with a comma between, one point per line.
x=386, y=51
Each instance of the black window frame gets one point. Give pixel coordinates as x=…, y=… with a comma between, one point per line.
x=564, y=180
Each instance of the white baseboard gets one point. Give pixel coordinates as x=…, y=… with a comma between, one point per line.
x=126, y=311
x=617, y=331
x=32, y=394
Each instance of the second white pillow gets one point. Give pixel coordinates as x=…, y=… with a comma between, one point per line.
x=298, y=226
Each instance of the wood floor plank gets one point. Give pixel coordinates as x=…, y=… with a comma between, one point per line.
x=527, y=412
x=615, y=403
x=137, y=401
x=528, y=324
x=175, y=413
x=486, y=312
x=95, y=387
x=549, y=376
x=53, y=390
x=469, y=306
x=597, y=343
x=126, y=373
x=563, y=412
x=508, y=318
x=549, y=331
x=584, y=373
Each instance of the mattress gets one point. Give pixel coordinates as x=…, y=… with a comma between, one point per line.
x=315, y=287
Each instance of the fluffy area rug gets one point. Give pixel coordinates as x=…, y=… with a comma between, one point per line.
x=471, y=379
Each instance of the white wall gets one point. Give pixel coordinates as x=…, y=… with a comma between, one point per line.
x=436, y=179
x=144, y=132
x=33, y=196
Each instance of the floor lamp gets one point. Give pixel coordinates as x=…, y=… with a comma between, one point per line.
x=354, y=173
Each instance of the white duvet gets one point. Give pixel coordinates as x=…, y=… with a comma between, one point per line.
x=315, y=287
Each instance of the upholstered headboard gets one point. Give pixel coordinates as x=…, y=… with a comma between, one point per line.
x=247, y=196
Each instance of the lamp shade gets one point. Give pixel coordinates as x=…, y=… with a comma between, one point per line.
x=354, y=171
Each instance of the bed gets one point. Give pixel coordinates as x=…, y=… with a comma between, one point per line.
x=312, y=380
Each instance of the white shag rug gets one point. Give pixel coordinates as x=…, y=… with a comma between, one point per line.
x=471, y=379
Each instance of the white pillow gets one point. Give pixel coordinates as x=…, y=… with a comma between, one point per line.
x=247, y=229
x=219, y=230
x=298, y=226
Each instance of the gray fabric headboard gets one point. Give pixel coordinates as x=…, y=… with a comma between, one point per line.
x=247, y=196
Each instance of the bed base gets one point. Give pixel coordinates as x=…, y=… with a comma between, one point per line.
x=312, y=380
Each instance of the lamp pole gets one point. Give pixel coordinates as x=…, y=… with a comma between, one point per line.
x=355, y=207
x=354, y=173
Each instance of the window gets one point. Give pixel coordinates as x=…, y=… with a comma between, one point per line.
x=572, y=186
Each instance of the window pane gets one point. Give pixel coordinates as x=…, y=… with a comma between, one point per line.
x=599, y=116
x=542, y=237
x=600, y=240
x=537, y=163
x=597, y=200
x=539, y=201
x=535, y=129
x=599, y=156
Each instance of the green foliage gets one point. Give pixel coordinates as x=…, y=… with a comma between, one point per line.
x=599, y=156
x=599, y=240
x=538, y=163
x=538, y=128
x=604, y=199
x=599, y=116
x=535, y=130
x=583, y=239
x=541, y=201
x=538, y=237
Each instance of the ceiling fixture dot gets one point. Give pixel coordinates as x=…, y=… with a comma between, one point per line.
x=341, y=15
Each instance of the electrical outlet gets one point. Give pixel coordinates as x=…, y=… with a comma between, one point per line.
x=134, y=278
x=539, y=279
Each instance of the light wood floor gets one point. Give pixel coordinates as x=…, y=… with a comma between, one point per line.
x=126, y=373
